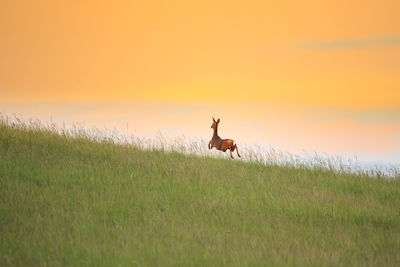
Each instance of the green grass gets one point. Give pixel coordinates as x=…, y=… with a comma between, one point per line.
x=75, y=201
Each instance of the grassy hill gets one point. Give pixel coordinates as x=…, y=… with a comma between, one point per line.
x=75, y=201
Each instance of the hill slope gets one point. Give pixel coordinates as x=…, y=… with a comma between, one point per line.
x=74, y=201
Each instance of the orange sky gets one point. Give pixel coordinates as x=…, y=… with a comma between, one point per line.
x=312, y=75
x=302, y=53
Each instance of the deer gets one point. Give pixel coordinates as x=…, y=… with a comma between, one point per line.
x=221, y=144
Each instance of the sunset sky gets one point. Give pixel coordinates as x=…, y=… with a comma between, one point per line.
x=314, y=75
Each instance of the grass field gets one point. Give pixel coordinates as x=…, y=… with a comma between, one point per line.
x=75, y=201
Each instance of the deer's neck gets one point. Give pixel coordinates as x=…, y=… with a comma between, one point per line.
x=215, y=132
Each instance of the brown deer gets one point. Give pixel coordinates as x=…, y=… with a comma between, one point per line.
x=221, y=144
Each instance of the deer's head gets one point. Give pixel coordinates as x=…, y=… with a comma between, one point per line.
x=215, y=123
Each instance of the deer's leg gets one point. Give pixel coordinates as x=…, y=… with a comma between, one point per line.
x=230, y=150
x=237, y=150
x=209, y=145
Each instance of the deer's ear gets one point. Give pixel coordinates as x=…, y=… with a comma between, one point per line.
x=213, y=119
x=218, y=121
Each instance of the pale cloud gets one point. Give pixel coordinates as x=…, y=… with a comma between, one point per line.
x=350, y=43
x=253, y=125
x=376, y=116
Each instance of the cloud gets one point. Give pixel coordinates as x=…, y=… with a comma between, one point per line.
x=350, y=43
x=376, y=116
x=253, y=125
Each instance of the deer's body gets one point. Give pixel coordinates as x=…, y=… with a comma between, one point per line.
x=222, y=144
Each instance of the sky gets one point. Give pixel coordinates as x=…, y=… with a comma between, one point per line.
x=297, y=75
